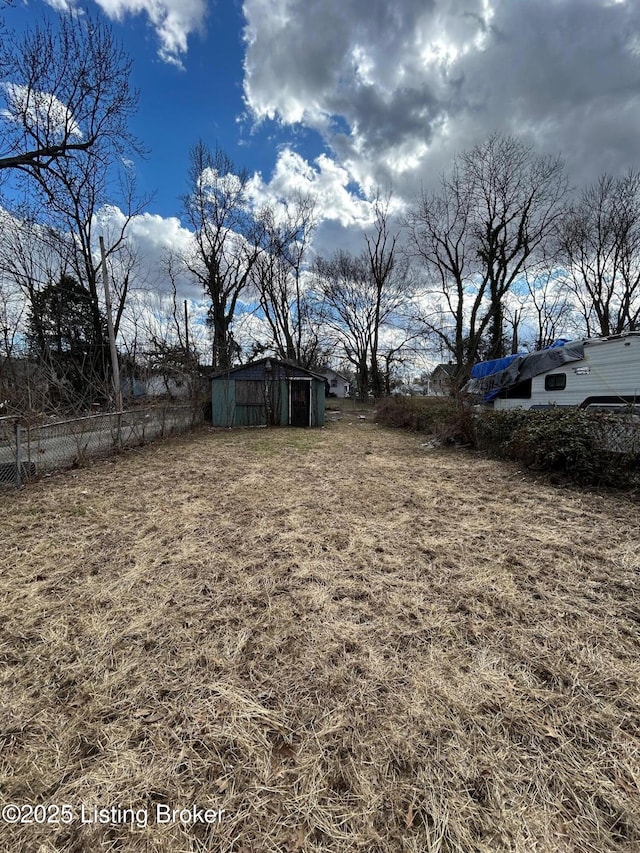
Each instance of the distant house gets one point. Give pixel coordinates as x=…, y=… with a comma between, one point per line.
x=132, y=387
x=339, y=385
x=441, y=379
x=268, y=392
x=174, y=385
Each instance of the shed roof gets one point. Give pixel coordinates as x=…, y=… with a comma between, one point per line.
x=290, y=368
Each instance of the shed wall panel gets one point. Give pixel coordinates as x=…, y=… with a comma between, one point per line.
x=317, y=403
x=223, y=402
x=281, y=403
x=227, y=412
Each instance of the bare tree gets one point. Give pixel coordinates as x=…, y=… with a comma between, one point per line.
x=63, y=130
x=28, y=259
x=390, y=283
x=357, y=308
x=397, y=356
x=79, y=213
x=12, y=310
x=227, y=241
x=477, y=235
x=290, y=312
x=173, y=344
x=58, y=323
x=600, y=244
x=11, y=313
x=27, y=265
x=343, y=284
x=549, y=307
x=66, y=95
x=41, y=260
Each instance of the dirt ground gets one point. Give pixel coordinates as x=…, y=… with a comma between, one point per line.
x=342, y=639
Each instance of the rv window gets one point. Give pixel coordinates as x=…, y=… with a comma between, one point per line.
x=521, y=391
x=555, y=382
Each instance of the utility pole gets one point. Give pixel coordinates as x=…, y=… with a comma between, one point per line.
x=186, y=327
x=115, y=369
x=191, y=364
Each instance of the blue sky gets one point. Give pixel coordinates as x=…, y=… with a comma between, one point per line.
x=179, y=105
x=203, y=100
x=339, y=97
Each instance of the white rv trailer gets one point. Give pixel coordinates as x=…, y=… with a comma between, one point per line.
x=601, y=373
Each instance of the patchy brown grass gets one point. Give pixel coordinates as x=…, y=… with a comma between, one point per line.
x=345, y=641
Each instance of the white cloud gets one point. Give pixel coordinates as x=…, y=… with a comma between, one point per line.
x=227, y=184
x=173, y=20
x=382, y=69
x=150, y=301
x=152, y=233
x=61, y=5
x=396, y=89
x=42, y=111
x=325, y=181
x=159, y=232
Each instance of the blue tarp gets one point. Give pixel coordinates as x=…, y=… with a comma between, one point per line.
x=486, y=368
x=489, y=378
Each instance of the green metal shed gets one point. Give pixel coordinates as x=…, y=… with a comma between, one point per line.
x=268, y=392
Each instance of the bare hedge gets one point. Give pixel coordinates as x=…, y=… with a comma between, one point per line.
x=589, y=448
x=595, y=448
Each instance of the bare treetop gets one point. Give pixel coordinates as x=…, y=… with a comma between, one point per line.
x=227, y=240
x=600, y=246
x=477, y=235
x=65, y=92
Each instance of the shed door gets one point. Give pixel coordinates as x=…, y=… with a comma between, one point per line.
x=300, y=403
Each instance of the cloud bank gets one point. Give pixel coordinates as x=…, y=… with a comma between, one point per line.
x=395, y=89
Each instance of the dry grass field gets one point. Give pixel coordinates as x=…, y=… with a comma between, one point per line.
x=346, y=641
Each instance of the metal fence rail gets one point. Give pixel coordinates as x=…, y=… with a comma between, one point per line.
x=28, y=451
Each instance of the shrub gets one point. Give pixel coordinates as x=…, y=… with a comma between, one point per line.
x=567, y=440
x=457, y=425
x=593, y=448
x=558, y=440
x=418, y=414
x=445, y=417
x=494, y=430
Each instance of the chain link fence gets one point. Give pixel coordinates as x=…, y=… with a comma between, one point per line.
x=28, y=451
x=620, y=434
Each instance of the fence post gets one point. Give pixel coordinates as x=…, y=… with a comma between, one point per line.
x=18, y=454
